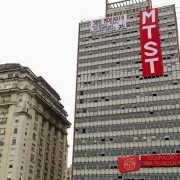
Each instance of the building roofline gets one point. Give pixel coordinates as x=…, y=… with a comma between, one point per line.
x=17, y=66
x=124, y=3
x=40, y=78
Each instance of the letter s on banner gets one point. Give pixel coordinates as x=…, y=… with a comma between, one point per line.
x=151, y=54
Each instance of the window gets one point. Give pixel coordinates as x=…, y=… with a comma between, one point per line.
x=15, y=130
x=10, y=75
x=13, y=141
x=33, y=147
x=35, y=127
x=16, y=121
x=40, y=152
x=16, y=75
x=32, y=158
x=36, y=117
x=12, y=152
x=41, y=142
x=2, y=131
x=154, y=152
x=34, y=136
x=9, y=175
x=31, y=169
x=3, y=121
x=47, y=146
x=38, y=173
x=39, y=162
x=47, y=156
x=11, y=164
x=42, y=132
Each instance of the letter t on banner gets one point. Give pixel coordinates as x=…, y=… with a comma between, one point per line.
x=151, y=54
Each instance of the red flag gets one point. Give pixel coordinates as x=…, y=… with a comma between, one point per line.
x=128, y=164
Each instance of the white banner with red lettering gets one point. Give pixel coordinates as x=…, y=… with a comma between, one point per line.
x=151, y=54
x=106, y=25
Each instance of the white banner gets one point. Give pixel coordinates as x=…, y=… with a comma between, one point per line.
x=106, y=25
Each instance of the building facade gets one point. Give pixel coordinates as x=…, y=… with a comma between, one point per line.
x=33, y=127
x=118, y=112
x=69, y=173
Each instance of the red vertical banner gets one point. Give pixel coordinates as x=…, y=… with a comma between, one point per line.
x=151, y=54
x=128, y=164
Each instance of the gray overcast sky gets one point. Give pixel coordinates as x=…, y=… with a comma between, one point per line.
x=43, y=36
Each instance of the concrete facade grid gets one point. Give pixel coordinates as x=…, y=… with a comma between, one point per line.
x=119, y=112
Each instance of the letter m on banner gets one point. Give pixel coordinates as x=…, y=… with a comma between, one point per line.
x=151, y=54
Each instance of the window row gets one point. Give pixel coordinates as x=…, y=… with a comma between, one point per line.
x=138, y=83
x=118, y=79
x=131, y=139
x=122, y=42
x=128, y=127
x=138, y=116
x=129, y=89
x=122, y=68
x=127, y=176
x=109, y=96
x=126, y=151
x=123, y=50
x=133, y=107
x=120, y=62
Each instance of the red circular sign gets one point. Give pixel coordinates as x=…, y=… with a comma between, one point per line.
x=129, y=164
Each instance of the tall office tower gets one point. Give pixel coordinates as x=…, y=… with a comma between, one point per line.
x=33, y=127
x=122, y=108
